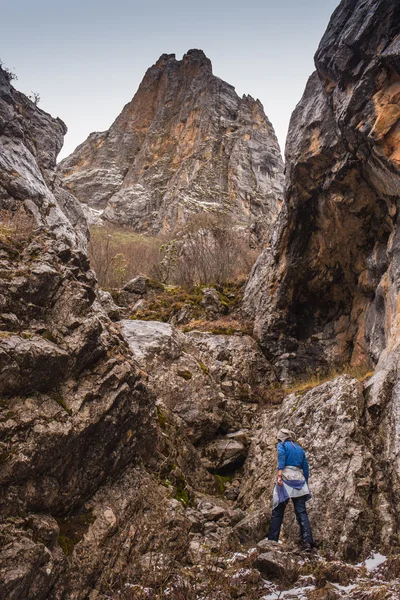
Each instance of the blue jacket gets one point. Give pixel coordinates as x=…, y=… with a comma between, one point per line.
x=291, y=454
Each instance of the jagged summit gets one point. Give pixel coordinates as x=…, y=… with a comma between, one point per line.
x=192, y=58
x=186, y=143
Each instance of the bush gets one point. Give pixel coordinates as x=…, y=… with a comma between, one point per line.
x=16, y=227
x=118, y=254
x=209, y=251
x=10, y=75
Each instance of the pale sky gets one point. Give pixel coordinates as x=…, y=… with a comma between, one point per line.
x=86, y=58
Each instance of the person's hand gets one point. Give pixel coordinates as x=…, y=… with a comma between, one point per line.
x=280, y=482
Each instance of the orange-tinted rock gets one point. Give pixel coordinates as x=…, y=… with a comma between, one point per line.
x=186, y=143
x=327, y=290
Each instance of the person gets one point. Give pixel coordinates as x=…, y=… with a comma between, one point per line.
x=292, y=482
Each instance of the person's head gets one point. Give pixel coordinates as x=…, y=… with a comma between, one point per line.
x=285, y=434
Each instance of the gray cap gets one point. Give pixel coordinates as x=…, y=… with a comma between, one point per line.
x=285, y=434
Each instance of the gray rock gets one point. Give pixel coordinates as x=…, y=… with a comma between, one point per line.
x=254, y=526
x=138, y=285
x=189, y=373
x=212, y=512
x=212, y=303
x=33, y=363
x=45, y=529
x=277, y=566
x=28, y=569
x=224, y=452
x=113, y=311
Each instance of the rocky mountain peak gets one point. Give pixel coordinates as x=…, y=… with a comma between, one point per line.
x=198, y=58
x=194, y=63
x=186, y=143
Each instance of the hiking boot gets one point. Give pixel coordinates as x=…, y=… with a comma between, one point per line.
x=307, y=547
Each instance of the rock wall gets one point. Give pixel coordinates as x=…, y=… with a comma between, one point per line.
x=63, y=381
x=353, y=465
x=185, y=144
x=80, y=439
x=326, y=290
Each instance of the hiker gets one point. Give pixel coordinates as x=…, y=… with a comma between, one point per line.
x=292, y=482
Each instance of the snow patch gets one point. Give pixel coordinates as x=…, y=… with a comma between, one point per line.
x=373, y=562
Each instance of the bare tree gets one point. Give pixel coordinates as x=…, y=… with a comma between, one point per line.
x=212, y=251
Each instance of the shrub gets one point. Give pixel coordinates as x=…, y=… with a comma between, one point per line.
x=16, y=227
x=10, y=75
x=119, y=254
x=209, y=251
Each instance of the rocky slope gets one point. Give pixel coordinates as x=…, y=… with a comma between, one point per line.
x=79, y=434
x=138, y=461
x=327, y=289
x=185, y=144
x=326, y=292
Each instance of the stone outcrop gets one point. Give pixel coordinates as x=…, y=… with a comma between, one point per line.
x=62, y=380
x=185, y=144
x=214, y=383
x=80, y=438
x=326, y=290
x=73, y=409
x=353, y=480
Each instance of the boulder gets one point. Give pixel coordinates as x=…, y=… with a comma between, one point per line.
x=277, y=566
x=224, y=453
x=212, y=303
x=253, y=527
x=138, y=285
x=107, y=302
x=190, y=374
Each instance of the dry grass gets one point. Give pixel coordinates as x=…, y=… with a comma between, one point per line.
x=303, y=385
x=219, y=327
x=16, y=228
x=332, y=572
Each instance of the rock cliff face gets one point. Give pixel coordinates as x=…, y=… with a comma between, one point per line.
x=79, y=434
x=136, y=461
x=185, y=144
x=73, y=409
x=327, y=288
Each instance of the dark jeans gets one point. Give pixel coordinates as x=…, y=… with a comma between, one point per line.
x=301, y=516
